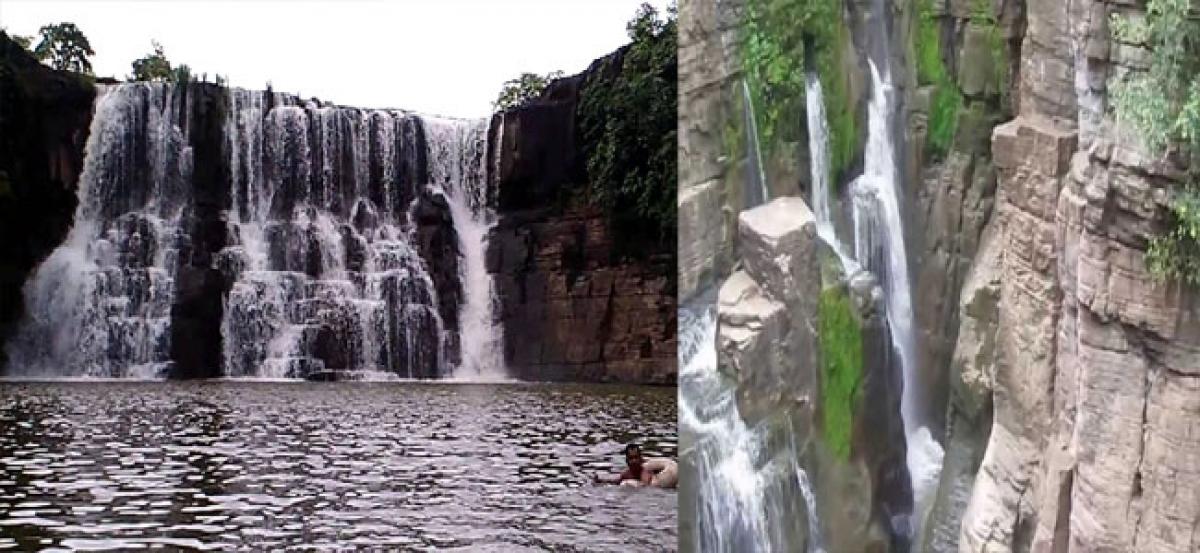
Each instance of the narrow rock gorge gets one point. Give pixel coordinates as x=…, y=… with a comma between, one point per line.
x=1055, y=371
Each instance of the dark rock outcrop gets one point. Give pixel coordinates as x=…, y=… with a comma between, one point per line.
x=541, y=155
x=437, y=242
x=200, y=287
x=44, y=118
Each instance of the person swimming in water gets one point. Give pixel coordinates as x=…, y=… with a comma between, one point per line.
x=656, y=471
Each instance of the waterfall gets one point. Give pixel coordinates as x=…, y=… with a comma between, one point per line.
x=879, y=246
x=322, y=258
x=757, y=193
x=344, y=240
x=99, y=305
x=457, y=160
x=745, y=488
x=818, y=150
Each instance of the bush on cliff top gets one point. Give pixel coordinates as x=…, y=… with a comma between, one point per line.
x=841, y=368
x=65, y=47
x=519, y=91
x=1163, y=104
x=627, y=123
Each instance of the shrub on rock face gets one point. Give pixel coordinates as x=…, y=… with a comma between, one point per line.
x=627, y=123
x=1163, y=104
x=778, y=37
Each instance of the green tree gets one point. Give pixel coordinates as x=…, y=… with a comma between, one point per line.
x=627, y=123
x=65, y=47
x=153, y=66
x=516, y=92
x=1163, y=104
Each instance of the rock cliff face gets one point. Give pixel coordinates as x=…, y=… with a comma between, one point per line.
x=1068, y=377
x=709, y=190
x=44, y=116
x=573, y=305
x=1088, y=368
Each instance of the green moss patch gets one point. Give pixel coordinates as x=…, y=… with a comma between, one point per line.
x=946, y=99
x=841, y=369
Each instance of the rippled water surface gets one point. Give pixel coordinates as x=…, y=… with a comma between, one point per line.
x=255, y=465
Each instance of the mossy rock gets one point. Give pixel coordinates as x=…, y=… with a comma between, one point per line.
x=841, y=348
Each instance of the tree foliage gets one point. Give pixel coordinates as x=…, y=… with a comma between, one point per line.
x=627, y=122
x=65, y=47
x=153, y=66
x=1163, y=104
x=517, y=92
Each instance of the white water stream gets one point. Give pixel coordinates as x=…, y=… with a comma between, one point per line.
x=879, y=245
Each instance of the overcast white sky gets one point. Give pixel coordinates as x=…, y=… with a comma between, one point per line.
x=446, y=57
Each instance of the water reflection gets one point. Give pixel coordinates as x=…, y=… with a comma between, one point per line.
x=243, y=465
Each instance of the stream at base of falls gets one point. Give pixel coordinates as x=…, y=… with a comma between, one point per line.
x=230, y=464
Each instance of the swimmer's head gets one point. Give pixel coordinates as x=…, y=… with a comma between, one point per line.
x=633, y=457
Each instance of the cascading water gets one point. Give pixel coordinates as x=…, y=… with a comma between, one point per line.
x=746, y=485
x=754, y=166
x=879, y=246
x=338, y=251
x=322, y=259
x=100, y=305
x=458, y=164
x=818, y=148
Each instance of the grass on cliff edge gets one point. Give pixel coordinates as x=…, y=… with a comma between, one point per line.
x=841, y=369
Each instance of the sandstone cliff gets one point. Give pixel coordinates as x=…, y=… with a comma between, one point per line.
x=1091, y=365
x=1064, y=376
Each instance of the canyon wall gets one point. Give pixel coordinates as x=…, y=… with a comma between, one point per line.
x=1063, y=375
x=1092, y=365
